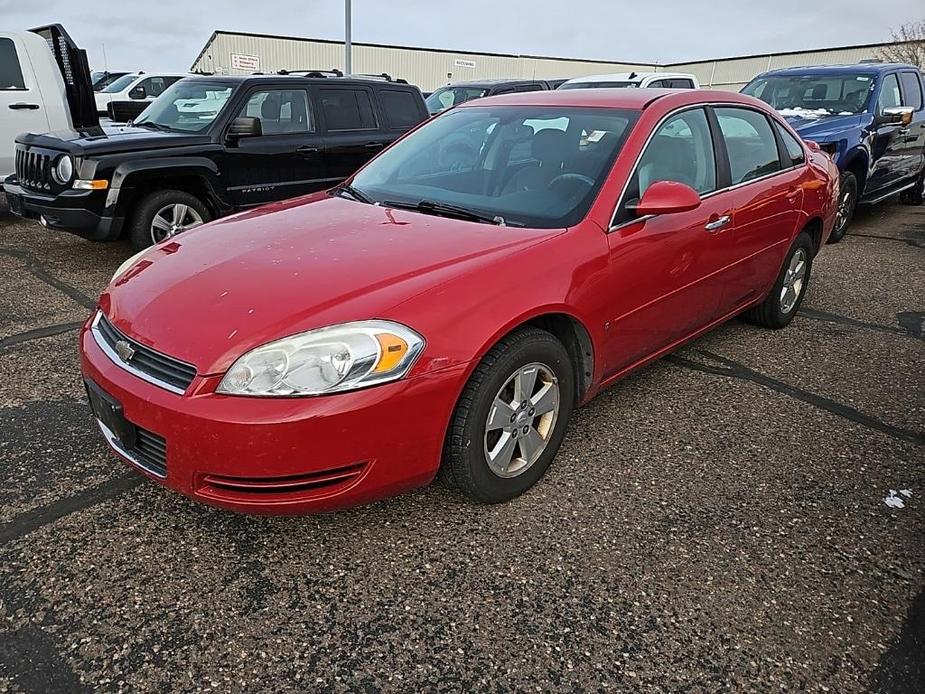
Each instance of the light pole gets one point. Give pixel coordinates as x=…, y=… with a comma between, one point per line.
x=348, y=60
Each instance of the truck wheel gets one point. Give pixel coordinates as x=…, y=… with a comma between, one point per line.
x=781, y=305
x=847, y=201
x=165, y=213
x=916, y=194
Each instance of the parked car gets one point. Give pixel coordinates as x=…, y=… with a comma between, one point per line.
x=136, y=88
x=41, y=90
x=869, y=117
x=103, y=78
x=637, y=80
x=461, y=92
x=344, y=347
x=207, y=147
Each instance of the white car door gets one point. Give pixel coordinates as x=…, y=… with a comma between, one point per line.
x=22, y=108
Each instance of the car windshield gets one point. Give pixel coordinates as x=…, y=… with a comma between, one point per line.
x=813, y=96
x=534, y=166
x=119, y=84
x=186, y=106
x=599, y=85
x=445, y=97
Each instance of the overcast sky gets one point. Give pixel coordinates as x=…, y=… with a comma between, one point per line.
x=168, y=34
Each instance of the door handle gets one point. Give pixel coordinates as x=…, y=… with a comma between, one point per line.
x=718, y=223
x=793, y=194
x=307, y=149
x=373, y=145
x=24, y=107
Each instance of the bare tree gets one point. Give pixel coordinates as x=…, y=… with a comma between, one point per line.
x=908, y=45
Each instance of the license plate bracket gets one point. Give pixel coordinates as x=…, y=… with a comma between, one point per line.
x=109, y=411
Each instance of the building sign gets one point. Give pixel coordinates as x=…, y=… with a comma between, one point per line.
x=464, y=63
x=251, y=63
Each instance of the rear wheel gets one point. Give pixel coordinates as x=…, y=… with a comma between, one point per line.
x=779, y=308
x=916, y=194
x=847, y=202
x=511, y=417
x=163, y=214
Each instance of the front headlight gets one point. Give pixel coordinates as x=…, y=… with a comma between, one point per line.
x=127, y=264
x=327, y=360
x=63, y=169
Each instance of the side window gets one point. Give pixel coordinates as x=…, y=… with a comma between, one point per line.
x=347, y=109
x=10, y=72
x=659, y=84
x=527, y=88
x=281, y=111
x=682, y=84
x=794, y=148
x=681, y=150
x=401, y=108
x=889, y=94
x=912, y=90
x=750, y=143
x=154, y=86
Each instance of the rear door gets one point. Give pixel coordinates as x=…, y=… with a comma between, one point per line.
x=352, y=131
x=889, y=141
x=286, y=160
x=21, y=106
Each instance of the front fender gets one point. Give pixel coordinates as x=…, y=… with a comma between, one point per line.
x=129, y=176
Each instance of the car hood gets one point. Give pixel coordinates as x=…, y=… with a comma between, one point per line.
x=211, y=294
x=812, y=126
x=111, y=139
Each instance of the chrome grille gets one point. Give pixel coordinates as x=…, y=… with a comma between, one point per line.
x=154, y=367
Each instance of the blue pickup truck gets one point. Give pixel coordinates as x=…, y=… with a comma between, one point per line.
x=869, y=117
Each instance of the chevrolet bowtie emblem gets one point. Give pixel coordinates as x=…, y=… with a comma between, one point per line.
x=124, y=350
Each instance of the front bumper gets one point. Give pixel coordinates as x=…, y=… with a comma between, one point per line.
x=74, y=211
x=284, y=455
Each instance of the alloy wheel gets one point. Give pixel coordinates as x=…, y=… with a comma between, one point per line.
x=793, y=281
x=173, y=219
x=843, y=213
x=521, y=420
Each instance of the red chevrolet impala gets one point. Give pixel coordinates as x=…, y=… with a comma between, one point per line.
x=449, y=306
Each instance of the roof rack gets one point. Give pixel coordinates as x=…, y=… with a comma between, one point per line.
x=381, y=76
x=333, y=72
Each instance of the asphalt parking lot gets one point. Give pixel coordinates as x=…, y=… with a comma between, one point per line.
x=715, y=521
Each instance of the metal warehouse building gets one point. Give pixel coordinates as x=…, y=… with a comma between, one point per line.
x=229, y=52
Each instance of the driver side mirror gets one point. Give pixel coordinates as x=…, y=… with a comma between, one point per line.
x=138, y=93
x=895, y=115
x=667, y=197
x=244, y=126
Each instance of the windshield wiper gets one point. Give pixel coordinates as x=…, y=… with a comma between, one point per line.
x=156, y=126
x=442, y=209
x=357, y=195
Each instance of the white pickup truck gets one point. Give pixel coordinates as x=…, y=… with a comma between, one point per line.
x=44, y=86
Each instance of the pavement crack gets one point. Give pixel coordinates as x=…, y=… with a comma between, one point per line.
x=37, y=270
x=11, y=341
x=733, y=369
x=30, y=521
x=910, y=322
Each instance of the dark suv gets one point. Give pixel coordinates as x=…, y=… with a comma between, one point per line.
x=209, y=146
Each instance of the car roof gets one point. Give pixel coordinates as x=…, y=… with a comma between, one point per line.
x=850, y=68
x=358, y=79
x=491, y=83
x=631, y=99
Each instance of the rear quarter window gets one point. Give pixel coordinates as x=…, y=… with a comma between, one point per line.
x=348, y=109
x=401, y=108
x=10, y=71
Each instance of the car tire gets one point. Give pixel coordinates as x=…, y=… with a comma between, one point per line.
x=847, y=203
x=156, y=215
x=916, y=194
x=477, y=442
x=780, y=306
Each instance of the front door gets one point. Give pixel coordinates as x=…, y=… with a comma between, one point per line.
x=668, y=269
x=353, y=134
x=888, y=141
x=286, y=160
x=21, y=107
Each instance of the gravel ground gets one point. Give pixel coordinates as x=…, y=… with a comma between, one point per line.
x=714, y=522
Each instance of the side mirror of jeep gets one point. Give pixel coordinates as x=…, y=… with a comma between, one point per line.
x=244, y=126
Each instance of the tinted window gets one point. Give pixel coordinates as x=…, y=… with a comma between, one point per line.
x=401, y=108
x=912, y=90
x=889, y=94
x=680, y=150
x=750, y=143
x=659, y=84
x=794, y=148
x=681, y=84
x=155, y=86
x=347, y=109
x=281, y=111
x=10, y=72
x=528, y=88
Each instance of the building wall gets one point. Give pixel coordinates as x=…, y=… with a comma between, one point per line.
x=431, y=68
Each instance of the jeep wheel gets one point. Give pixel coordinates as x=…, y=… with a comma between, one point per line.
x=847, y=201
x=916, y=194
x=163, y=214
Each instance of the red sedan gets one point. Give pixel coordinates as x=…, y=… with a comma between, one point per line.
x=449, y=306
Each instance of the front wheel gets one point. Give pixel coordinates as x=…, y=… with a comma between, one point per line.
x=847, y=202
x=511, y=417
x=916, y=194
x=163, y=214
x=780, y=306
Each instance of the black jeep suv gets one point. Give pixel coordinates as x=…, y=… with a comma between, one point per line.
x=209, y=146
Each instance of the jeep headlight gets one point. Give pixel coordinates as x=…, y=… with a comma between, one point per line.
x=327, y=360
x=63, y=170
